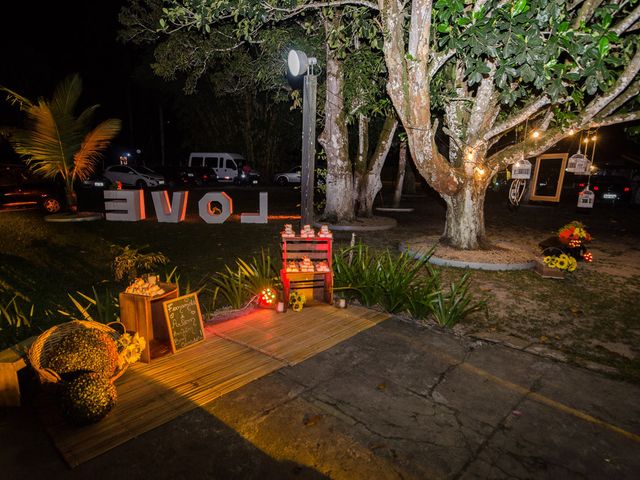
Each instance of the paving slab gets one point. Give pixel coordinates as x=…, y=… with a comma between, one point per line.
x=396, y=401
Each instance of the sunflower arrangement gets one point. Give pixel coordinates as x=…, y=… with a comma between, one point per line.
x=297, y=301
x=561, y=262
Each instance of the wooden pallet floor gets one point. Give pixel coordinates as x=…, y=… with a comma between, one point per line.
x=234, y=353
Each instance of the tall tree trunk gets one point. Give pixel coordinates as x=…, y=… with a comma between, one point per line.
x=464, y=226
x=371, y=184
x=335, y=141
x=362, y=158
x=402, y=166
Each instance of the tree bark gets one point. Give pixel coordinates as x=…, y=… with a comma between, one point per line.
x=370, y=183
x=402, y=166
x=464, y=226
x=334, y=139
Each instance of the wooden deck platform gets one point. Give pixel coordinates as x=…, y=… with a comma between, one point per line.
x=235, y=353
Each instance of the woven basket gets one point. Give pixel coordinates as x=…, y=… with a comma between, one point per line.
x=45, y=343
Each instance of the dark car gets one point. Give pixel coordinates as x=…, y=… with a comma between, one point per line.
x=19, y=190
x=177, y=176
x=204, y=175
x=96, y=182
x=613, y=189
x=246, y=174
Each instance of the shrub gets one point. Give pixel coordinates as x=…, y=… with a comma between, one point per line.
x=450, y=307
x=236, y=286
x=130, y=262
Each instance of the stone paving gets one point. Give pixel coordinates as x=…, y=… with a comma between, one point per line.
x=396, y=401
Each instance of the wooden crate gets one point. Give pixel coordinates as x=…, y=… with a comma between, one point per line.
x=316, y=286
x=145, y=315
x=547, y=272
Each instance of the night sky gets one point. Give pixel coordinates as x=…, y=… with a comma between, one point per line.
x=54, y=39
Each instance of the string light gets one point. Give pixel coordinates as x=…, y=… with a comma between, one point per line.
x=535, y=134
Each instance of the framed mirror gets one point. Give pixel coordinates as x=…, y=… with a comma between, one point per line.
x=548, y=177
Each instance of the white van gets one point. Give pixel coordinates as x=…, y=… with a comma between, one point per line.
x=226, y=165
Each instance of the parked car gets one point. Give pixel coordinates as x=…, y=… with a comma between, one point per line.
x=138, y=176
x=292, y=176
x=97, y=181
x=177, y=175
x=246, y=175
x=613, y=189
x=204, y=175
x=21, y=190
x=227, y=166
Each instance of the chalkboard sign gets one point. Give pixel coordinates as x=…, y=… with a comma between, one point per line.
x=184, y=321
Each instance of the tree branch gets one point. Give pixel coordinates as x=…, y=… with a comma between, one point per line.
x=482, y=106
x=586, y=11
x=615, y=119
x=316, y=5
x=624, y=97
x=624, y=24
x=600, y=102
x=518, y=118
x=438, y=59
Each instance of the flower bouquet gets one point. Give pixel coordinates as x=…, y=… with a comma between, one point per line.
x=574, y=237
x=297, y=301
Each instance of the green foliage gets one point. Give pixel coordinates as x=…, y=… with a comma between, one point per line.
x=88, y=398
x=384, y=279
x=231, y=287
x=236, y=286
x=535, y=48
x=130, y=262
x=16, y=321
x=101, y=307
x=183, y=288
x=57, y=143
x=452, y=306
x=399, y=282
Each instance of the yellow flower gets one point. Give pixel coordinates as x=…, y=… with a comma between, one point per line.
x=297, y=306
x=562, y=262
x=549, y=260
x=572, y=264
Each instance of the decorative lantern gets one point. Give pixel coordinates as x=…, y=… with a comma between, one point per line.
x=521, y=169
x=579, y=164
x=267, y=297
x=586, y=198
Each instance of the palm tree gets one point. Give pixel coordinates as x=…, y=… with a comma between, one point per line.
x=54, y=141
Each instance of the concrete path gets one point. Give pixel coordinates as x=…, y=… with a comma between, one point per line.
x=396, y=401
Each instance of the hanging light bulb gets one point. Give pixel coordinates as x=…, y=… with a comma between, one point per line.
x=535, y=134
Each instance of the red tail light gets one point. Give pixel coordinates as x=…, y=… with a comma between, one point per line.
x=582, y=185
x=626, y=189
x=596, y=188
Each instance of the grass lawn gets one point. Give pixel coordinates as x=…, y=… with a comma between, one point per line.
x=45, y=261
x=591, y=317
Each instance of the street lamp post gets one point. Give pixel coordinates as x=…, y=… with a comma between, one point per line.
x=300, y=64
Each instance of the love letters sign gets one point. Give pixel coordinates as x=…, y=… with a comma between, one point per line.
x=213, y=207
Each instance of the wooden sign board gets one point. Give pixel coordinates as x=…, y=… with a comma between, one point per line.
x=184, y=321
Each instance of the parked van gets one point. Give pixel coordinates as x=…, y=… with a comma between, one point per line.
x=227, y=166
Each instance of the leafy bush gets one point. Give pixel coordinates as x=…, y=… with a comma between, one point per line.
x=102, y=308
x=386, y=279
x=236, y=286
x=399, y=282
x=16, y=321
x=450, y=307
x=130, y=262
